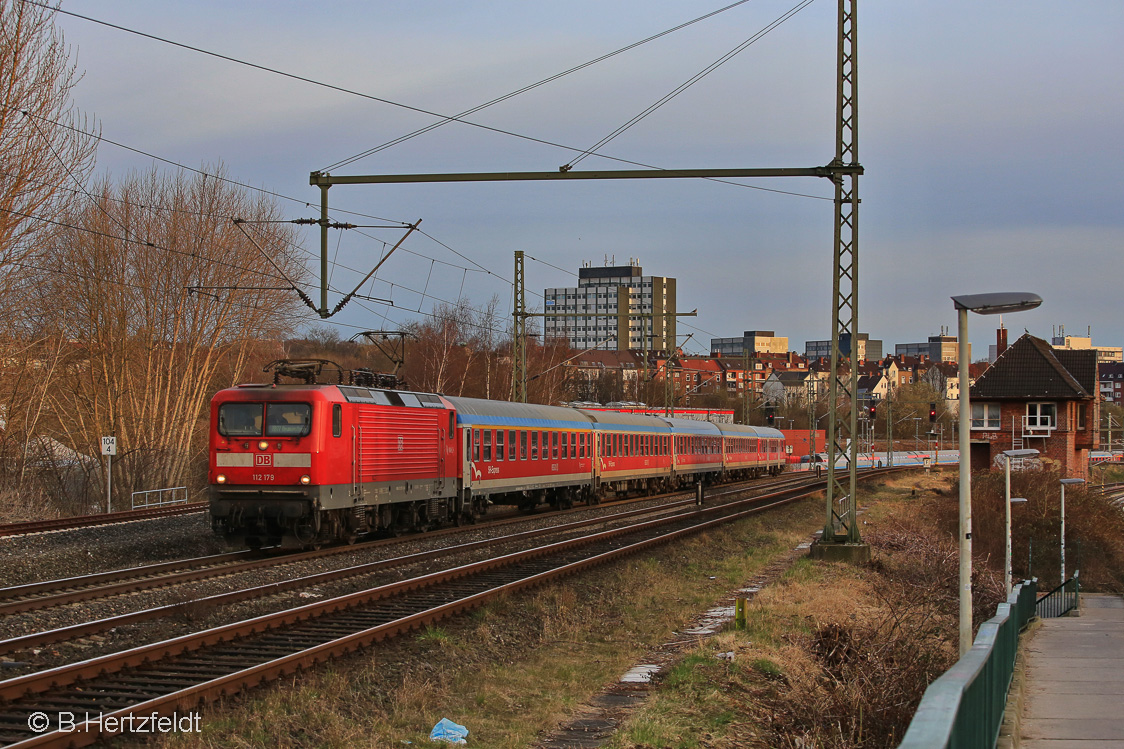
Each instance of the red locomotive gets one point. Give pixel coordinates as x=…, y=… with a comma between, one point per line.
x=309, y=463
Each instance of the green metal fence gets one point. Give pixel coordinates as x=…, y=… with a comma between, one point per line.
x=1061, y=600
x=963, y=709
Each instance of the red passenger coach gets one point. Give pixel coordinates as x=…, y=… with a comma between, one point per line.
x=523, y=454
x=634, y=452
x=752, y=451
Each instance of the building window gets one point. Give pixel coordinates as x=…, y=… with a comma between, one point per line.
x=1041, y=415
x=1081, y=416
x=985, y=416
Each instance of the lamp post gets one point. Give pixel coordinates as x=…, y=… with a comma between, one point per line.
x=1064, y=483
x=983, y=304
x=1011, y=455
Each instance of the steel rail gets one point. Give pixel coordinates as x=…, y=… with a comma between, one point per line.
x=266, y=656
x=251, y=669
x=87, y=521
x=66, y=591
x=83, y=629
x=97, y=578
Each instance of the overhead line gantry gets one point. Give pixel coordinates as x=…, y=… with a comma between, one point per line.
x=841, y=533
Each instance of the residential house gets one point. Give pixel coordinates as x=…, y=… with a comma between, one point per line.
x=1036, y=396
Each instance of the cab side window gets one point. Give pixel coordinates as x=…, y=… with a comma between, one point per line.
x=337, y=420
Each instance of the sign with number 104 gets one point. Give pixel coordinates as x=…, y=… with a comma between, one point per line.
x=108, y=445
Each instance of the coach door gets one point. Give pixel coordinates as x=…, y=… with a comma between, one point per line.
x=596, y=450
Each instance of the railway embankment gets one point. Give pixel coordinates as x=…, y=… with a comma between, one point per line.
x=517, y=669
x=833, y=655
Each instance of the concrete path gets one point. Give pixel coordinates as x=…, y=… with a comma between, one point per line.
x=1074, y=693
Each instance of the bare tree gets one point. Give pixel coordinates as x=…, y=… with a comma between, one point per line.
x=164, y=298
x=46, y=146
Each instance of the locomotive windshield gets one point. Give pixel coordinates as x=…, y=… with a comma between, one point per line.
x=281, y=419
x=240, y=419
x=287, y=419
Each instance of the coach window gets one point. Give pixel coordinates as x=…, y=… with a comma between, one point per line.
x=511, y=445
x=487, y=445
x=554, y=445
x=565, y=444
x=522, y=444
x=534, y=445
x=499, y=444
x=545, y=454
x=337, y=420
x=475, y=445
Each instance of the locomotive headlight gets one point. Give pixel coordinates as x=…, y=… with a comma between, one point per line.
x=220, y=479
x=263, y=445
x=306, y=479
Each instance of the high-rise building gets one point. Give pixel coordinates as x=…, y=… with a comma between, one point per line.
x=613, y=307
x=1079, y=343
x=752, y=341
x=869, y=349
x=937, y=348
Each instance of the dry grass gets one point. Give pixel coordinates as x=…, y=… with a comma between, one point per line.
x=517, y=667
x=23, y=505
x=834, y=655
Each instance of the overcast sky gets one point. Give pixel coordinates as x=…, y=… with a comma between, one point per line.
x=991, y=136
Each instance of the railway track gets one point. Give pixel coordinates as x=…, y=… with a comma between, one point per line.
x=45, y=594
x=181, y=672
x=106, y=584
x=88, y=521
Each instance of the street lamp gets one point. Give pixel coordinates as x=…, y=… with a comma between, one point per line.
x=1064, y=483
x=983, y=304
x=1011, y=455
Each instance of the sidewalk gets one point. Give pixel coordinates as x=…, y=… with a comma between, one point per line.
x=1075, y=679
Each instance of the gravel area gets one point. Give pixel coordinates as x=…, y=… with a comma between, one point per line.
x=60, y=554
x=66, y=553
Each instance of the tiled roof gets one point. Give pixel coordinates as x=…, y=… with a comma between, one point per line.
x=1031, y=368
x=1082, y=364
x=793, y=376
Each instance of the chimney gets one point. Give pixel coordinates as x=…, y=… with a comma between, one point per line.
x=1000, y=341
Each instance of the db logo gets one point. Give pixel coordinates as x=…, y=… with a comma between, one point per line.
x=263, y=460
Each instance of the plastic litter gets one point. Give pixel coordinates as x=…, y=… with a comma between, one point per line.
x=448, y=731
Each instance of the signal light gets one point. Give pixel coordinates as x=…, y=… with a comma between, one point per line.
x=932, y=413
x=873, y=412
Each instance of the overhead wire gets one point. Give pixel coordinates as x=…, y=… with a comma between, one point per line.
x=143, y=243
x=443, y=120
x=688, y=83
x=525, y=89
x=235, y=183
x=344, y=90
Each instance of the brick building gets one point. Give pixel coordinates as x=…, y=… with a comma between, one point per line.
x=1035, y=396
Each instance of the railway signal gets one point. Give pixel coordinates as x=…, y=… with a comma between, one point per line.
x=932, y=413
x=873, y=412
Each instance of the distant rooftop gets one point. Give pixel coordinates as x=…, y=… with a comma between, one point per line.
x=614, y=271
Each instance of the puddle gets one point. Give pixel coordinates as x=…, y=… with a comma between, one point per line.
x=640, y=674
